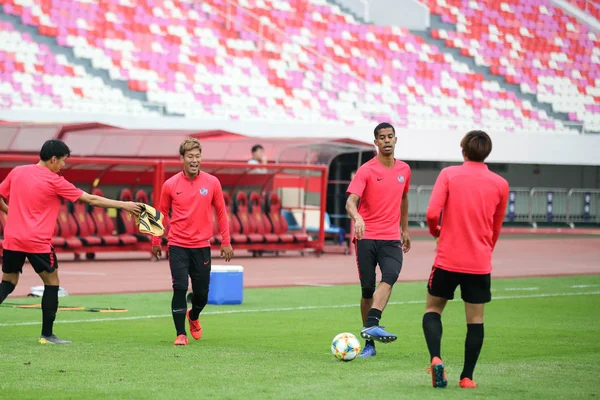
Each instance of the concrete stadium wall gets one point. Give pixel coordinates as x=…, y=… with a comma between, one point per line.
x=440, y=145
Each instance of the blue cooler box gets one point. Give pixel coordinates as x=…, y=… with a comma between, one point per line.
x=226, y=284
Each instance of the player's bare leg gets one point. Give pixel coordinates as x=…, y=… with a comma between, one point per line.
x=49, y=308
x=473, y=343
x=432, y=329
x=382, y=296
x=365, y=306
x=8, y=284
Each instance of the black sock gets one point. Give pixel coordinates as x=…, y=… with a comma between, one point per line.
x=432, y=328
x=369, y=343
x=373, y=317
x=49, y=307
x=179, y=308
x=199, y=298
x=473, y=345
x=6, y=288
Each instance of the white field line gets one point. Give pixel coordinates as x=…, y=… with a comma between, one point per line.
x=269, y=310
x=514, y=289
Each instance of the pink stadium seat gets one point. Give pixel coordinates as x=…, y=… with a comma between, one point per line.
x=213, y=60
x=533, y=44
x=27, y=67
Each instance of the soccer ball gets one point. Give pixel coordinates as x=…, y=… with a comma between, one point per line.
x=345, y=347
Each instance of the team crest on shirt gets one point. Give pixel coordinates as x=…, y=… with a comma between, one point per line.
x=400, y=178
x=204, y=191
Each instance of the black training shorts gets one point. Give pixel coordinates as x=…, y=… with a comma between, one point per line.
x=192, y=262
x=474, y=288
x=13, y=261
x=385, y=253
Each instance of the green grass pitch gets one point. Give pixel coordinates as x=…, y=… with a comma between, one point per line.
x=541, y=341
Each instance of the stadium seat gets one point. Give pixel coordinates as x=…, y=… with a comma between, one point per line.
x=68, y=229
x=260, y=219
x=105, y=226
x=125, y=220
x=533, y=44
x=86, y=229
x=234, y=224
x=278, y=223
x=305, y=61
x=246, y=222
x=34, y=77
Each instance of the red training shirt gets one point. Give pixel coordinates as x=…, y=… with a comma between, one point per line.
x=33, y=193
x=380, y=190
x=191, y=204
x=473, y=200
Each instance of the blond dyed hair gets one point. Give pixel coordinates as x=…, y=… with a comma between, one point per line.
x=188, y=145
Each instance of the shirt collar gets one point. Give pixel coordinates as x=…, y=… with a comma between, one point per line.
x=473, y=164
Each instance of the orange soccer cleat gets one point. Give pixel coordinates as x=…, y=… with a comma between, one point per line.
x=438, y=373
x=467, y=383
x=195, y=327
x=181, y=340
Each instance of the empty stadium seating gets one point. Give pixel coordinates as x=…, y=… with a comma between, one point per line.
x=302, y=60
x=32, y=76
x=591, y=7
x=533, y=44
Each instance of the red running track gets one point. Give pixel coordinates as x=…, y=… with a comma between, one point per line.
x=512, y=258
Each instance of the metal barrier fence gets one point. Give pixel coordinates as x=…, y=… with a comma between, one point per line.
x=549, y=205
x=529, y=205
x=518, y=208
x=525, y=205
x=583, y=206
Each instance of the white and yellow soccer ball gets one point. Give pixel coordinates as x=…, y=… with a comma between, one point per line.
x=345, y=346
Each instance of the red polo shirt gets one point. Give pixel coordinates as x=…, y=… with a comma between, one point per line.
x=473, y=200
x=191, y=203
x=380, y=190
x=33, y=193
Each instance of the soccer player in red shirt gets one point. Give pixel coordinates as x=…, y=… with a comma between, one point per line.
x=34, y=195
x=382, y=185
x=191, y=195
x=473, y=200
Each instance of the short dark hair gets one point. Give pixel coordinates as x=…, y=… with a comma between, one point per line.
x=257, y=147
x=476, y=145
x=54, y=148
x=383, y=125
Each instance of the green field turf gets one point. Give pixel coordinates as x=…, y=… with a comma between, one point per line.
x=542, y=341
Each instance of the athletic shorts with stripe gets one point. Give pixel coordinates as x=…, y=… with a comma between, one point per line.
x=13, y=261
x=370, y=253
x=474, y=288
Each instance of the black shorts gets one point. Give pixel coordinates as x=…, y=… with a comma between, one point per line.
x=474, y=288
x=192, y=262
x=13, y=261
x=370, y=253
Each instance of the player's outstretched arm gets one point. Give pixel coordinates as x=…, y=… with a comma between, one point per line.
x=103, y=202
x=3, y=206
x=351, y=208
